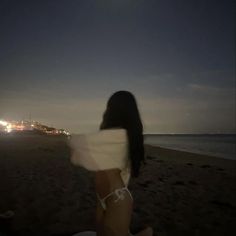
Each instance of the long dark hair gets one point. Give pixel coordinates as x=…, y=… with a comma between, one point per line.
x=122, y=112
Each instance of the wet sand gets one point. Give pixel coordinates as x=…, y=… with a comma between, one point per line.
x=178, y=193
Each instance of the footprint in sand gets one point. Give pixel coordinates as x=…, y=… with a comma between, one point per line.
x=178, y=183
x=161, y=179
x=143, y=185
x=151, y=158
x=222, y=204
x=192, y=182
x=205, y=166
x=160, y=161
x=146, y=183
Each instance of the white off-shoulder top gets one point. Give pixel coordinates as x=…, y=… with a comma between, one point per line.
x=102, y=150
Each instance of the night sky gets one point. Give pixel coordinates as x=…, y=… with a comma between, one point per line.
x=61, y=60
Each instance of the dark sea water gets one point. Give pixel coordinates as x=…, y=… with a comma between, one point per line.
x=219, y=145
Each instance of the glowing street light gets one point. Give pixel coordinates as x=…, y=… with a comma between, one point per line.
x=9, y=128
x=4, y=123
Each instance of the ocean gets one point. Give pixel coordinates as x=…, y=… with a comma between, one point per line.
x=218, y=145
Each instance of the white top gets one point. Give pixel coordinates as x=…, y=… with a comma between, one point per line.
x=105, y=149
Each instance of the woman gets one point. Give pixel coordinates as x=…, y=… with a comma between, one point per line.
x=115, y=153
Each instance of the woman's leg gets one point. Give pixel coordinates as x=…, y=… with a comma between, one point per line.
x=117, y=216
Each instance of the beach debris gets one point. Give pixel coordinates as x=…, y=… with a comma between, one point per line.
x=7, y=215
x=5, y=222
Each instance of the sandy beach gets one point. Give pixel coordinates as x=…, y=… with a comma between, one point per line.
x=177, y=193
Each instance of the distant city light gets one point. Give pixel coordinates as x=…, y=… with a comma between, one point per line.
x=4, y=123
x=19, y=126
x=9, y=128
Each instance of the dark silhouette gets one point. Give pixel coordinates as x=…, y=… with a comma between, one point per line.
x=122, y=112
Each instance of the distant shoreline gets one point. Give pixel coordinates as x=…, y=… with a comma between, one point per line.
x=190, y=152
x=176, y=156
x=216, y=145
